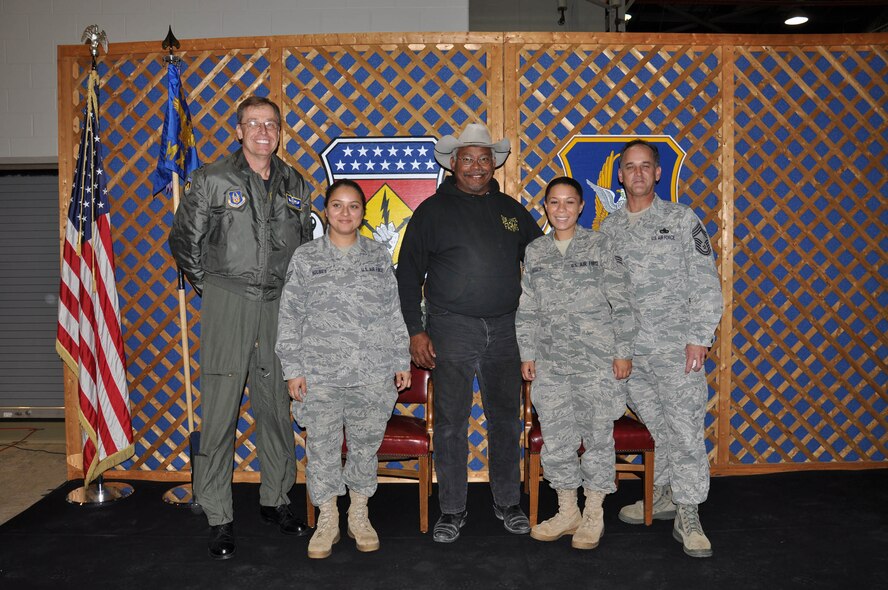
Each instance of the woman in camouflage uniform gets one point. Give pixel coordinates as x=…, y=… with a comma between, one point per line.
x=341, y=338
x=576, y=330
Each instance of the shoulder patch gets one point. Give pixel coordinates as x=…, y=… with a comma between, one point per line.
x=701, y=240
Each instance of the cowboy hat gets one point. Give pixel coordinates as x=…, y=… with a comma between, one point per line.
x=474, y=134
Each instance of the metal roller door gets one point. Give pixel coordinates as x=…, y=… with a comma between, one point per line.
x=30, y=370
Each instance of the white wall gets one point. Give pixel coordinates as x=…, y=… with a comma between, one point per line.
x=30, y=30
x=534, y=15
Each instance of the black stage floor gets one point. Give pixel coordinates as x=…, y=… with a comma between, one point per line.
x=826, y=529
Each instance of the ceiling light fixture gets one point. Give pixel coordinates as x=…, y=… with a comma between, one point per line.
x=796, y=18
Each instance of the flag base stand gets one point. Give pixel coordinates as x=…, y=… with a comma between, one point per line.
x=99, y=493
x=182, y=495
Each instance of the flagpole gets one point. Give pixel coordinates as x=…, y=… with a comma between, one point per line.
x=98, y=492
x=183, y=494
x=183, y=324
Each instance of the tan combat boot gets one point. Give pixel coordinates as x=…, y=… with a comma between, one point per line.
x=565, y=521
x=663, y=507
x=359, y=527
x=689, y=532
x=327, y=532
x=589, y=533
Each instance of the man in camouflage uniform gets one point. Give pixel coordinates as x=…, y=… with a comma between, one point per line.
x=576, y=331
x=239, y=222
x=667, y=251
x=341, y=340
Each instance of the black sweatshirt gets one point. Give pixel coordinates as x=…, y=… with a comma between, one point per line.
x=468, y=250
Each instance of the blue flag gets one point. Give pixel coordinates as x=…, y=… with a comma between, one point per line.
x=177, y=150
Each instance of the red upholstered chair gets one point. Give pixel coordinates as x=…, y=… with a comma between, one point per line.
x=631, y=437
x=406, y=437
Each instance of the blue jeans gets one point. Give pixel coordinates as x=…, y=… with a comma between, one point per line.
x=465, y=347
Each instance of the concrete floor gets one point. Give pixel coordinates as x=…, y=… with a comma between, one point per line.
x=32, y=463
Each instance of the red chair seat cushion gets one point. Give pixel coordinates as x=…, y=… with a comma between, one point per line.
x=629, y=436
x=405, y=436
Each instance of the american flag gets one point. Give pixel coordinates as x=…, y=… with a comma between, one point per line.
x=89, y=338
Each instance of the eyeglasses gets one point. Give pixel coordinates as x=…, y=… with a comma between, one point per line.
x=254, y=125
x=467, y=161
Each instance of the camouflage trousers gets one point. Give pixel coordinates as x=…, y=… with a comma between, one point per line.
x=576, y=410
x=672, y=405
x=363, y=412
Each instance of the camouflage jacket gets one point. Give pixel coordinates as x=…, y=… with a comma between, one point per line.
x=672, y=269
x=340, y=320
x=575, y=312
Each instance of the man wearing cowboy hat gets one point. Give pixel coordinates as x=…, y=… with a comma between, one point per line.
x=462, y=251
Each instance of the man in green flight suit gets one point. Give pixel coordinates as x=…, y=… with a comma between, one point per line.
x=238, y=224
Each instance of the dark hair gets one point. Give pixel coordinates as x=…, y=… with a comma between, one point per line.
x=647, y=144
x=564, y=180
x=257, y=101
x=350, y=184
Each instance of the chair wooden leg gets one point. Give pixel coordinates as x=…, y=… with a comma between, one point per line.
x=526, y=471
x=533, y=481
x=431, y=470
x=309, y=509
x=425, y=485
x=648, y=459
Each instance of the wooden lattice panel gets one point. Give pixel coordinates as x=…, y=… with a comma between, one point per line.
x=132, y=99
x=787, y=152
x=568, y=89
x=327, y=92
x=809, y=350
x=384, y=90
